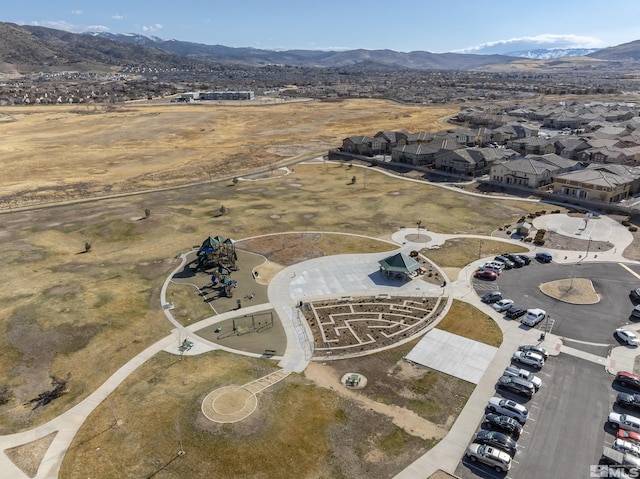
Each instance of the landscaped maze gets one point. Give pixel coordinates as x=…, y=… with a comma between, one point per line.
x=346, y=327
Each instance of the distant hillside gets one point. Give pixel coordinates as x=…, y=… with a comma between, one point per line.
x=627, y=51
x=29, y=48
x=419, y=60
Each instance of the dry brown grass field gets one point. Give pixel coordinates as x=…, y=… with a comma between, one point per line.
x=80, y=315
x=58, y=153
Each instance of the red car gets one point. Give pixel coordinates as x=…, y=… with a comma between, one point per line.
x=486, y=274
x=629, y=436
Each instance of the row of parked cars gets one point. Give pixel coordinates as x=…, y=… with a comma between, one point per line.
x=529, y=317
x=492, y=269
x=624, y=453
x=496, y=443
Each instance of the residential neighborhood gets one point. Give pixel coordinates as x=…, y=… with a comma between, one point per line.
x=585, y=151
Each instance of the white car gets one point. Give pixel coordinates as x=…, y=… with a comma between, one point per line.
x=626, y=447
x=499, y=460
x=506, y=407
x=529, y=358
x=492, y=267
x=534, y=316
x=524, y=374
x=502, y=305
x=627, y=336
x=624, y=421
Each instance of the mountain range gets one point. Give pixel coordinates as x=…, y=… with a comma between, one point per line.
x=31, y=48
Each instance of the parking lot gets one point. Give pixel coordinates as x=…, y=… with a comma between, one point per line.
x=565, y=432
x=567, y=428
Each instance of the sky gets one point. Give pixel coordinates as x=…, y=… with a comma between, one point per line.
x=427, y=25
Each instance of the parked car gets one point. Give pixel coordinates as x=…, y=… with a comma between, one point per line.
x=502, y=305
x=491, y=297
x=624, y=421
x=534, y=316
x=524, y=374
x=626, y=447
x=486, y=274
x=518, y=262
x=517, y=385
x=497, y=439
x=515, y=312
x=525, y=258
x=635, y=312
x=509, y=408
x=529, y=358
x=508, y=264
x=619, y=460
x=500, y=422
x=544, y=257
x=536, y=349
x=628, y=380
x=631, y=401
x=629, y=436
x=499, y=460
x=635, y=295
x=493, y=266
x=628, y=337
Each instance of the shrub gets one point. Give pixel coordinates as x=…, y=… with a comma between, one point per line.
x=509, y=232
x=539, y=241
x=528, y=239
x=541, y=232
x=544, y=212
x=633, y=228
x=626, y=223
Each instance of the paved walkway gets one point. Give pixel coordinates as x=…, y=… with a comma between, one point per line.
x=326, y=276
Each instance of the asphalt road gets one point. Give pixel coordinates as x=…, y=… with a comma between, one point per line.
x=565, y=433
x=593, y=323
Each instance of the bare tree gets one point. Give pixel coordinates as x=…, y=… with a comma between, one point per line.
x=147, y=212
x=87, y=247
x=223, y=210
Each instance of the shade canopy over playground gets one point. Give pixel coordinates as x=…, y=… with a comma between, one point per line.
x=399, y=263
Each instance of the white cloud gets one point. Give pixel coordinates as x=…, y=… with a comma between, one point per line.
x=71, y=27
x=117, y=17
x=76, y=12
x=545, y=40
x=151, y=28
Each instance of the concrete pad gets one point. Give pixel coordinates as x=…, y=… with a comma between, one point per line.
x=452, y=354
x=350, y=275
x=601, y=228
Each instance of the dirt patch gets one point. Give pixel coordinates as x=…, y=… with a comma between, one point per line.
x=325, y=376
x=29, y=456
x=573, y=291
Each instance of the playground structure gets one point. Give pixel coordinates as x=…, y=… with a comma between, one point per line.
x=249, y=323
x=219, y=254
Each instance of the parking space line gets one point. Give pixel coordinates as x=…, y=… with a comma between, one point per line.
x=632, y=272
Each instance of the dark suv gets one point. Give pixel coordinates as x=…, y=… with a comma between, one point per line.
x=508, y=264
x=517, y=385
x=515, y=312
x=635, y=295
x=505, y=424
x=628, y=380
x=491, y=297
x=517, y=260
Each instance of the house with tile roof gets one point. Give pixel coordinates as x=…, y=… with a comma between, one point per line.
x=362, y=145
x=523, y=172
x=594, y=184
